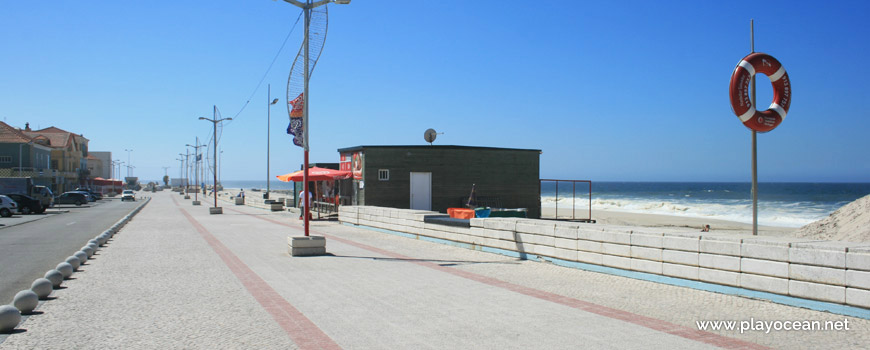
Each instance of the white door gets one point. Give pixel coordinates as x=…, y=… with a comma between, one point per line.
x=421, y=191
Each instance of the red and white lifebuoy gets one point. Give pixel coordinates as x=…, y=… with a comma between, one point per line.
x=754, y=119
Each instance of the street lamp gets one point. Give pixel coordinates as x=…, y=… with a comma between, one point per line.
x=306, y=7
x=269, y=102
x=180, y=169
x=195, y=172
x=129, y=163
x=214, y=122
x=119, y=171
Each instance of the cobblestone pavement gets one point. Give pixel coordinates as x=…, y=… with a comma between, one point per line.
x=177, y=277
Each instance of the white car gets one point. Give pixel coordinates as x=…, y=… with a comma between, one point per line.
x=128, y=195
x=7, y=206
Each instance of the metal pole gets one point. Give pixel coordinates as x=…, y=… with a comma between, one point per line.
x=573, y=199
x=196, y=169
x=754, y=141
x=305, y=125
x=19, y=160
x=214, y=151
x=557, y=199
x=268, y=121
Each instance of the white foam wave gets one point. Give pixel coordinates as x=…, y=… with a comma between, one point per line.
x=770, y=213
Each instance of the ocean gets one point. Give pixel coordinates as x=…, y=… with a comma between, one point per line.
x=779, y=204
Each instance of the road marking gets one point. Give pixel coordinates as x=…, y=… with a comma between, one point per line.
x=71, y=223
x=301, y=330
x=644, y=321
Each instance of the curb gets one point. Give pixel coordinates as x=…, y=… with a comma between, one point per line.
x=99, y=241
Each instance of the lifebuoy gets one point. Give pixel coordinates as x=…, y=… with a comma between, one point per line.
x=754, y=119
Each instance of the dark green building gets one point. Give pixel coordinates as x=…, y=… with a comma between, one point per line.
x=441, y=177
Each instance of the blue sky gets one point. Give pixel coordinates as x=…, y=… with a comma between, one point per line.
x=610, y=91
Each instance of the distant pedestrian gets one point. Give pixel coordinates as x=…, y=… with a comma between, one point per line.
x=705, y=228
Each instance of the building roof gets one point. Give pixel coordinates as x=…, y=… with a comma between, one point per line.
x=57, y=137
x=360, y=148
x=8, y=134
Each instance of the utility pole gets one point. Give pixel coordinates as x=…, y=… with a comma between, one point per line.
x=269, y=103
x=196, y=170
x=215, y=122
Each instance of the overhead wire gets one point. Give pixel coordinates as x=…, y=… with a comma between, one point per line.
x=260, y=83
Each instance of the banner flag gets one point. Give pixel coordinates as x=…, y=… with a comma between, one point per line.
x=296, y=128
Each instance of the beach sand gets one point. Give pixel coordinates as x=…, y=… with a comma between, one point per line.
x=671, y=221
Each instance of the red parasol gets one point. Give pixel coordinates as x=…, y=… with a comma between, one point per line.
x=316, y=174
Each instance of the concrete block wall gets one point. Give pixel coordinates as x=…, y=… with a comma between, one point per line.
x=830, y=271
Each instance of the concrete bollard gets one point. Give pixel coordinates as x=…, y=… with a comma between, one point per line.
x=25, y=301
x=55, y=277
x=82, y=256
x=9, y=318
x=74, y=261
x=42, y=288
x=88, y=251
x=94, y=247
x=94, y=241
x=65, y=269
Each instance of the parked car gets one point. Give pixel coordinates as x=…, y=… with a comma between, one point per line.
x=128, y=195
x=27, y=204
x=76, y=198
x=97, y=195
x=7, y=206
x=87, y=195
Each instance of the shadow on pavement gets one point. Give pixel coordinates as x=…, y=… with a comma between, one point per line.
x=436, y=261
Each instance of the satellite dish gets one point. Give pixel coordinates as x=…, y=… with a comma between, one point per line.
x=430, y=135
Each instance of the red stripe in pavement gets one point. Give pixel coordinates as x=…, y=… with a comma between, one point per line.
x=648, y=322
x=303, y=332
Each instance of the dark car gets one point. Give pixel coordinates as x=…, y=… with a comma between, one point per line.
x=89, y=197
x=96, y=195
x=27, y=204
x=77, y=198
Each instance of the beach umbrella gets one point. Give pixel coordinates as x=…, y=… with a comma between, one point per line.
x=316, y=174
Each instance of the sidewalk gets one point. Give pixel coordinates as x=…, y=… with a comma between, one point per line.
x=177, y=277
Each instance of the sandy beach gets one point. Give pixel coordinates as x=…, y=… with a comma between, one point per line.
x=656, y=220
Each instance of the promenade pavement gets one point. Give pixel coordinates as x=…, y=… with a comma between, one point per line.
x=177, y=277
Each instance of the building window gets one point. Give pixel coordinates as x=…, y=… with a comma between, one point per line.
x=5, y=159
x=384, y=174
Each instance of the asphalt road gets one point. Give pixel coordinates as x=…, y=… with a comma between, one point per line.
x=29, y=249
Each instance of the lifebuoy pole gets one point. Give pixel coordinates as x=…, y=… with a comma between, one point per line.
x=754, y=140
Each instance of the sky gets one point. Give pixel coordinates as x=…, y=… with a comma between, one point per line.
x=608, y=90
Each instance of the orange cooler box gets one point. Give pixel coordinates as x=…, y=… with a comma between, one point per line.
x=460, y=213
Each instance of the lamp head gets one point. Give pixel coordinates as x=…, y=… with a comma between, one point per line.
x=202, y=118
x=274, y=101
x=342, y=2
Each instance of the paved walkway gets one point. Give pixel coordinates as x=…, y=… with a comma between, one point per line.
x=177, y=277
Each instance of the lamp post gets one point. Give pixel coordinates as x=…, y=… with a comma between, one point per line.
x=306, y=7
x=269, y=103
x=129, y=163
x=113, y=163
x=180, y=168
x=214, y=122
x=196, y=167
x=119, y=170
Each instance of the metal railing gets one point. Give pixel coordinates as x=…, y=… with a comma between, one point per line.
x=573, y=199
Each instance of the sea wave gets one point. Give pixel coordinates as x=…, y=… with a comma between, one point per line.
x=783, y=214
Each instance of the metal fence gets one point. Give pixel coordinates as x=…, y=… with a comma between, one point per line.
x=585, y=186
